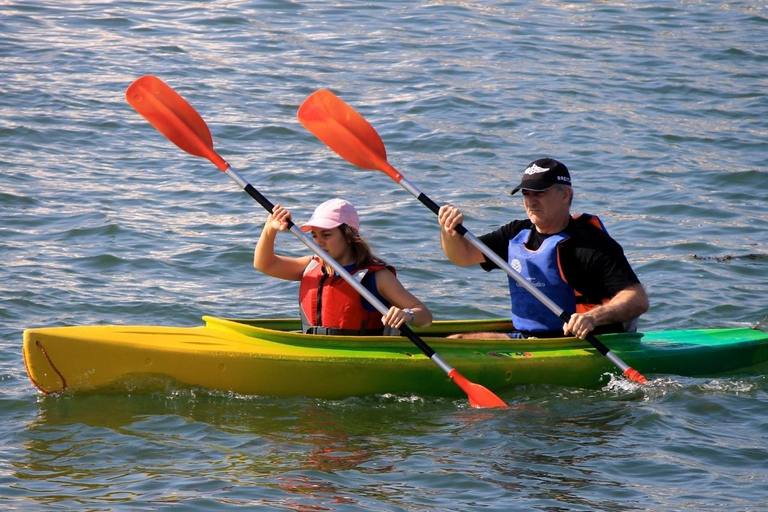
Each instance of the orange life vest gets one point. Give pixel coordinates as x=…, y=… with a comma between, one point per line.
x=330, y=305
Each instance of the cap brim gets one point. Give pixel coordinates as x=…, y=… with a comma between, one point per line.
x=321, y=224
x=538, y=186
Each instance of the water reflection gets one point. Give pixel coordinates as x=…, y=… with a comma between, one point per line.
x=292, y=446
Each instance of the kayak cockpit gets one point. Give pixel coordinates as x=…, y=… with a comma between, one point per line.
x=287, y=331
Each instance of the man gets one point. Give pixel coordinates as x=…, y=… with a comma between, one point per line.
x=571, y=259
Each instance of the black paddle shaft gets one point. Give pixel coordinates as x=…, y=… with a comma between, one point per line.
x=429, y=203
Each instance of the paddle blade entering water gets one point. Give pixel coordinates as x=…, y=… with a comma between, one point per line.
x=635, y=376
x=345, y=131
x=479, y=396
x=174, y=117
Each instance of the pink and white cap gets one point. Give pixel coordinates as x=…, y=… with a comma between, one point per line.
x=332, y=214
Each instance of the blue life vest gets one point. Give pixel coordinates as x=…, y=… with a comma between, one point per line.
x=542, y=270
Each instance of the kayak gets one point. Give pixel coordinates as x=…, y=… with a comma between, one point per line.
x=269, y=357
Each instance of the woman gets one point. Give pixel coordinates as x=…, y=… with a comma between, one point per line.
x=330, y=305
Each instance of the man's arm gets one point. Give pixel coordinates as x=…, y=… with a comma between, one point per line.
x=628, y=304
x=456, y=247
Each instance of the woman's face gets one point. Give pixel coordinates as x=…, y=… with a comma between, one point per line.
x=334, y=243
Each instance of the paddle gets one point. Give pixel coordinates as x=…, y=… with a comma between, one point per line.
x=167, y=111
x=346, y=132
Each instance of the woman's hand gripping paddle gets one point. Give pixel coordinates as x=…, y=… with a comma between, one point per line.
x=167, y=111
x=346, y=132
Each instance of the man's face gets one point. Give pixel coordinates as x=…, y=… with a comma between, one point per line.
x=548, y=206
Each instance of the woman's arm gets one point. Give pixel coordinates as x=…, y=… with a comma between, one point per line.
x=264, y=257
x=395, y=293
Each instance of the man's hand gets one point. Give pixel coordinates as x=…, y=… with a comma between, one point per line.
x=579, y=325
x=449, y=217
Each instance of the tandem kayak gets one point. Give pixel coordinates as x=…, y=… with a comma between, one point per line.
x=268, y=357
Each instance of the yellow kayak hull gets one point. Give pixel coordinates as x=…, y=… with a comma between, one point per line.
x=264, y=357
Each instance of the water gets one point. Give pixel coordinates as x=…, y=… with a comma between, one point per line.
x=658, y=108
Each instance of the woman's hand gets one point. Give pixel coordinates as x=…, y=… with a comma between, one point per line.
x=397, y=317
x=278, y=219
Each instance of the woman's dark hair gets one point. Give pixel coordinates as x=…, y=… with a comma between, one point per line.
x=360, y=248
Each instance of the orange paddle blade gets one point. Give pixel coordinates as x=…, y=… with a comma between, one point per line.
x=635, y=376
x=479, y=396
x=174, y=117
x=345, y=131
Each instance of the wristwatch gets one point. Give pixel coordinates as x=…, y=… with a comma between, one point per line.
x=410, y=312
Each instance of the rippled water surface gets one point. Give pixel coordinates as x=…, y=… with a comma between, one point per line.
x=658, y=108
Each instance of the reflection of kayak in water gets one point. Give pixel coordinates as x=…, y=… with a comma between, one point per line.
x=267, y=357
